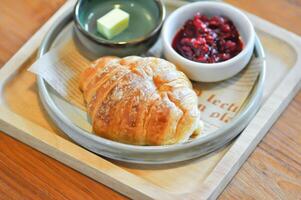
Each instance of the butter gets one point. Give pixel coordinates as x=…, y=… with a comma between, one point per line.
x=113, y=23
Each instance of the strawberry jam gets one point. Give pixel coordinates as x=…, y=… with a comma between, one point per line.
x=208, y=39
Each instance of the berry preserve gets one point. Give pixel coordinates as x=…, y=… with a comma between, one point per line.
x=208, y=39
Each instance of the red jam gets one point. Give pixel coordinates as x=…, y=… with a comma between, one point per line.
x=208, y=40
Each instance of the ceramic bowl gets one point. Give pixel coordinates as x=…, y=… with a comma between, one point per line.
x=146, y=20
x=209, y=72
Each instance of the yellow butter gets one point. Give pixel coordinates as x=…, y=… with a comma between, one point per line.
x=113, y=23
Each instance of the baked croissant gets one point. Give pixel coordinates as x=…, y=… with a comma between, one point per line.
x=140, y=101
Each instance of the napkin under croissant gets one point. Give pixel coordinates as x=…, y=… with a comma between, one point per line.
x=140, y=101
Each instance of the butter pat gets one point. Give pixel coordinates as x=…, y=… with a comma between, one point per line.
x=113, y=23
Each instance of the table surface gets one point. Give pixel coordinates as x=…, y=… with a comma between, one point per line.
x=273, y=171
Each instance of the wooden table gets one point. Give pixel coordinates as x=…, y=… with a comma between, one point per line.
x=272, y=172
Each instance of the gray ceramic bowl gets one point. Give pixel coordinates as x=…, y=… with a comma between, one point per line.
x=146, y=19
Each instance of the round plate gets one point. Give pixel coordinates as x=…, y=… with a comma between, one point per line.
x=58, y=111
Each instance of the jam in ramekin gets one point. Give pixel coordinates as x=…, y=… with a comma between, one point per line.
x=208, y=39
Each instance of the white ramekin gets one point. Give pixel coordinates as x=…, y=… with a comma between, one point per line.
x=209, y=72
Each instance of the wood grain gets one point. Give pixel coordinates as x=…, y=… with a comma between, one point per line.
x=26, y=173
x=285, y=13
x=272, y=171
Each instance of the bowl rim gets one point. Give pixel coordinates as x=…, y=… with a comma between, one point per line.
x=224, y=64
x=78, y=25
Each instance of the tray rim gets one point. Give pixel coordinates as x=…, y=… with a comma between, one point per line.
x=148, y=154
x=31, y=134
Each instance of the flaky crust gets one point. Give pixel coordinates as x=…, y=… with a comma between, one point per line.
x=141, y=101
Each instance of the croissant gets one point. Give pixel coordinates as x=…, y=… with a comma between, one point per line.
x=140, y=101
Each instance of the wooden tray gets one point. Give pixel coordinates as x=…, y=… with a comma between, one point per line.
x=23, y=117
